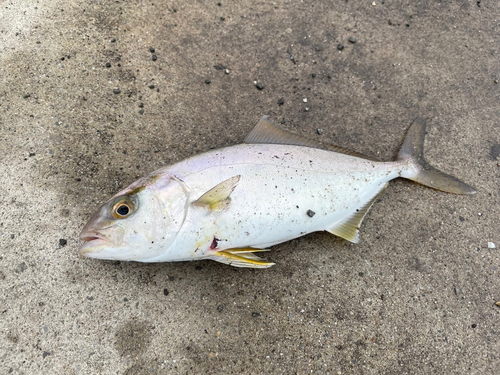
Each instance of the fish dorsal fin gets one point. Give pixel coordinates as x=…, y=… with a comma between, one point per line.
x=218, y=197
x=348, y=228
x=266, y=131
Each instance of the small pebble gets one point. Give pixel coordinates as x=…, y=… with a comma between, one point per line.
x=319, y=131
x=496, y=81
x=12, y=236
x=220, y=307
x=310, y=213
x=108, y=65
x=151, y=49
x=141, y=111
x=497, y=303
x=165, y=292
x=63, y=242
x=491, y=245
x=116, y=91
x=151, y=87
x=154, y=57
x=304, y=100
x=255, y=314
x=352, y=40
x=313, y=75
x=259, y=86
x=113, y=40
x=207, y=81
x=281, y=101
x=223, y=18
x=141, y=105
x=340, y=47
x=227, y=71
x=21, y=267
x=26, y=96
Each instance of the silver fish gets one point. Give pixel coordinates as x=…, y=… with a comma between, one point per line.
x=228, y=204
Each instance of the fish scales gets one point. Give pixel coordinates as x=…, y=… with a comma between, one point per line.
x=279, y=184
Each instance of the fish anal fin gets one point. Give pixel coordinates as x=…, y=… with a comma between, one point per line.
x=241, y=258
x=218, y=197
x=348, y=228
x=267, y=132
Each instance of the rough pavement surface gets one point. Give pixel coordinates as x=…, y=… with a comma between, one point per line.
x=87, y=107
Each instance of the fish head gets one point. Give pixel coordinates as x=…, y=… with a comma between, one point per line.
x=134, y=224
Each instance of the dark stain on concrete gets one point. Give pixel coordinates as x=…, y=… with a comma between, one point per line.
x=133, y=339
x=495, y=151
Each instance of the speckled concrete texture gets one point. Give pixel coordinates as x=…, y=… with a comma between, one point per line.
x=86, y=108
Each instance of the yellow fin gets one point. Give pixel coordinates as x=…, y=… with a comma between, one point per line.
x=266, y=131
x=218, y=197
x=348, y=228
x=246, y=250
x=247, y=259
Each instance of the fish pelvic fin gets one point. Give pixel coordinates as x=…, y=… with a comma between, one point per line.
x=267, y=132
x=241, y=258
x=348, y=228
x=218, y=197
x=422, y=172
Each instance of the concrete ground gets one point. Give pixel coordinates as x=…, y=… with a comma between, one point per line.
x=86, y=109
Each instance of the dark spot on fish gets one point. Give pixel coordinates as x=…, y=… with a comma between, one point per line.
x=215, y=243
x=310, y=213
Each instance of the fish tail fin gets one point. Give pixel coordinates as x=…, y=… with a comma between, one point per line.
x=422, y=172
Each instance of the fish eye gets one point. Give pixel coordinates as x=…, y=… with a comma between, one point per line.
x=122, y=208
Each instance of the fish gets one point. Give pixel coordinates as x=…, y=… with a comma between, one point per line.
x=230, y=204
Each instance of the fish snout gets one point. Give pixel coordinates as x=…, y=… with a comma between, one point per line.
x=101, y=240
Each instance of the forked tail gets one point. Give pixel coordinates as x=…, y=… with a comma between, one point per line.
x=422, y=172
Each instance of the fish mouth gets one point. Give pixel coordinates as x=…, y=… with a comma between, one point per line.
x=93, y=242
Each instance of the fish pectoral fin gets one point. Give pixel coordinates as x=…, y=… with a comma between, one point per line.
x=348, y=228
x=218, y=197
x=245, y=258
x=266, y=131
